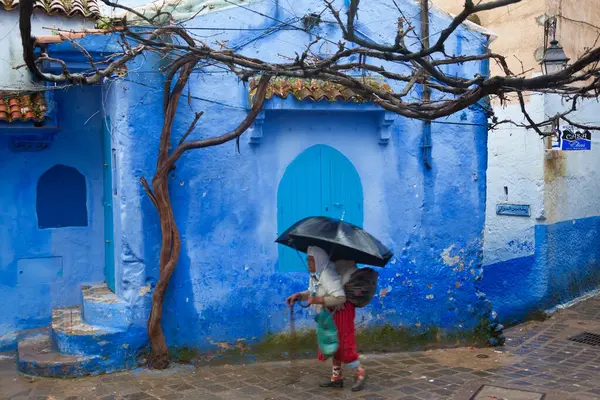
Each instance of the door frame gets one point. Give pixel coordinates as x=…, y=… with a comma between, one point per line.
x=108, y=157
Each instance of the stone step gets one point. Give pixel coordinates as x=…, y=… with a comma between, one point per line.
x=36, y=356
x=102, y=307
x=118, y=347
x=71, y=335
x=9, y=342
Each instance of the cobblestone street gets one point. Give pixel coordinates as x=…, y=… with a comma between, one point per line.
x=538, y=359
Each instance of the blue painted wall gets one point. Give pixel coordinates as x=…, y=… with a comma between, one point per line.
x=565, y=265
x=43, y=268
x=228, y=285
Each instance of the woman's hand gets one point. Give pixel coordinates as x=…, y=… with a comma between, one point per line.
x=293, y=298
x=315, y=300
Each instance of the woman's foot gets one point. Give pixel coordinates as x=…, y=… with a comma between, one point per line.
x=337, y=384
x=360, y=380
x=336, y=380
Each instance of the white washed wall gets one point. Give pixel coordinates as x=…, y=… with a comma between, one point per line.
x=11, y=51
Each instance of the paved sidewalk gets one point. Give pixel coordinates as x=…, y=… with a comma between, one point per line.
x=538, y=358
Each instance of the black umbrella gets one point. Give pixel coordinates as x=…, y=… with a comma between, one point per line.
x=341, y=240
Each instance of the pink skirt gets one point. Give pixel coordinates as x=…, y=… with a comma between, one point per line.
x=344, y=322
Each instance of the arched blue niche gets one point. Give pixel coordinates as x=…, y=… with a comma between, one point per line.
x=61, y=199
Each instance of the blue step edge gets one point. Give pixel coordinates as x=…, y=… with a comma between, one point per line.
x=103, y=335
x=35, y=356
x=72, y=336
x=102, y=307
x=9, y=342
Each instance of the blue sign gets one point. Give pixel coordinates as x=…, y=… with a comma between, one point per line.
x=519, y=210
x=572, y=138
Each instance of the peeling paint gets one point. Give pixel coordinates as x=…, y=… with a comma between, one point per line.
x=449, y=259
x=144, y=290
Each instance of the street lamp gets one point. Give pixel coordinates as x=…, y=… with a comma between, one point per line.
x=555, y=59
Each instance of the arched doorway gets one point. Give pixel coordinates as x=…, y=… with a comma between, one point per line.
x=320, y=181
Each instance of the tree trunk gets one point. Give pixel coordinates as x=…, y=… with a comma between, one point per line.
x=159, y=194
x=169, y=255
x=171, y=243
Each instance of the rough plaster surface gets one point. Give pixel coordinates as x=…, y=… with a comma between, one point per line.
x=515, y=162
x=11, y=49
x=225, y=203
x=504, y=22
x=433, y=220
x=227, y=289
x=538, y=262
x=535, y=263
x=28, y=303
x=520, y=29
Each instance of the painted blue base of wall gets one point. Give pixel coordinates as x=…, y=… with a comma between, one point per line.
x=572, y=257
x=566, y=265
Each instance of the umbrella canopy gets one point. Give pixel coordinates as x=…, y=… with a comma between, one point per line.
x=341, y=240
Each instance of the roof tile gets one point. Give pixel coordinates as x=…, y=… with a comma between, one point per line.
x=70, y=8
x=315, y=90
x=23, y=107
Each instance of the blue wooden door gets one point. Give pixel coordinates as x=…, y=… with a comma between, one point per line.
x=107, y=202
x=320, y=181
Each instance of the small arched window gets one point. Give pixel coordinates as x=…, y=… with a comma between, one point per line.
x=61, y=198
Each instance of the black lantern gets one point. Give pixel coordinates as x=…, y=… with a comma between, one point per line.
x=555, y=59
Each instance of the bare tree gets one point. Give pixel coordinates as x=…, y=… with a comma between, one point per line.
x=444, y=94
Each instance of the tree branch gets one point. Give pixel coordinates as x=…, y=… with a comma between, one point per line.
x=148, y=191
x=580, y=126
x=191, y=128
x=533, y=125
x=257, y=104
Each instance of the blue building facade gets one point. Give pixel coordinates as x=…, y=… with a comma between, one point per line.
x=88, y=271
x=548, y=257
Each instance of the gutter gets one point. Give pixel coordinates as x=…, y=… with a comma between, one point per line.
x=426, y=94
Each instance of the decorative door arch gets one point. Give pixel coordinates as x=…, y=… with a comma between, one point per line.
x=319, y=181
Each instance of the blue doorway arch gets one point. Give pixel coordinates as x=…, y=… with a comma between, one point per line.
x=319, y=181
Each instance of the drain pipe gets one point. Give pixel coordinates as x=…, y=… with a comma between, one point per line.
x=426, y=93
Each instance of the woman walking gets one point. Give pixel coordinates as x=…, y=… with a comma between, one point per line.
x=326, y=285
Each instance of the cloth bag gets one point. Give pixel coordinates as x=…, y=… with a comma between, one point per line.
x=327, y=335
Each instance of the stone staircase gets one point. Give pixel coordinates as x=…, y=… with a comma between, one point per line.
x=100, y=336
